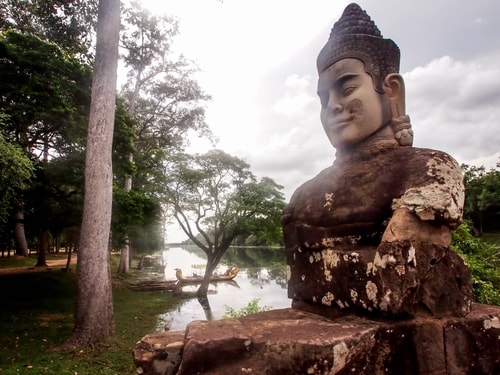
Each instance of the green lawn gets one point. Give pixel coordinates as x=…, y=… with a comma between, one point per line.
x=36, y=314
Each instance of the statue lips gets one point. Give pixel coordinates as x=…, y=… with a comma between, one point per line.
x=338, y=124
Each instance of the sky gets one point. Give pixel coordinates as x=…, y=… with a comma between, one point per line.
x=257, y=60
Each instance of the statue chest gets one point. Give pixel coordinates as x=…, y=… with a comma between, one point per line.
x=349, y=197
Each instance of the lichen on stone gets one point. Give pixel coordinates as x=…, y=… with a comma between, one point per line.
x=386, y=300
x=330, y=258
x=328, y=242
x=354, y=295
x=370, y=269
x=371, y=291
x=383, y=261
x=328, y=275
x=328, y=200
x=412, y=257
x=340, y=353
x=494, y=322
x=327, y=299
x=400, y=269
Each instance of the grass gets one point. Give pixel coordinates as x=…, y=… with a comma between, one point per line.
x=492, y=237
x=36, y=314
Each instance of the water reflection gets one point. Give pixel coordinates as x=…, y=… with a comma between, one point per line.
x=262, y=275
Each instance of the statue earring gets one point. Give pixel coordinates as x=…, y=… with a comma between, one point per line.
x=401, y=127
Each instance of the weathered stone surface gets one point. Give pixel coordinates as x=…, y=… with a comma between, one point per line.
x=290, y=341
x=159, y=353
x=336, y=252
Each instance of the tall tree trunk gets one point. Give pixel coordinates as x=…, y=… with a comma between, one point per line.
x=209, y=270
x=140, y=266
x=94, y=320
x=43, y=246
x=68, y=260
x=124, y=266
x=19, y=235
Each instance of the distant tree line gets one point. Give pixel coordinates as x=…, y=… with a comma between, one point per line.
x=482, y=197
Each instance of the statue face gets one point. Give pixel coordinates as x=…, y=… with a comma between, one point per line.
x=351, y=109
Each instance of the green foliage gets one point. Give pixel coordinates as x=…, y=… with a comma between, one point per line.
x=483, y=261
x=482, y=197
x=252, y=308
x=16, y=170
x=137, y=215
x=216, y=198
x=44, y=92
x=68, y=24
x=124, y=135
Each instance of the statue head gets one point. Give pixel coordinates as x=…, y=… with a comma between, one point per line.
x=355, y=57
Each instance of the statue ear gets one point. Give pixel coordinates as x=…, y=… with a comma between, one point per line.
x=394, y=87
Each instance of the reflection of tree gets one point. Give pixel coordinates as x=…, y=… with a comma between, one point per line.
x=262, y=276
x=248, y=257
x=278, y=274
x=153, y=264
x=205, y=304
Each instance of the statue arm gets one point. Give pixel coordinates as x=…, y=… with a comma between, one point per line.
x=428, y=211
x=406, y=225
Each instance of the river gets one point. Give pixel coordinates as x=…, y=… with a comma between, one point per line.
x=262, y=275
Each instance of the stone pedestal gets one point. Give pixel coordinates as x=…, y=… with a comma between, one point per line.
x=291, y=341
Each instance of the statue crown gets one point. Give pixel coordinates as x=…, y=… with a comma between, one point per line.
x=355, y=35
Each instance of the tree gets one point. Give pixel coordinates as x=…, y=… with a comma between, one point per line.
x=16, y=170
x=483, y=261
x=215, y=198
x=482, y=197
x=94, y=319
x=44, y=94
x=161, y=98
x=68, y=24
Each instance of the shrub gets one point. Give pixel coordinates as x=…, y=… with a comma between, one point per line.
x=482, y=259
x=252, y=308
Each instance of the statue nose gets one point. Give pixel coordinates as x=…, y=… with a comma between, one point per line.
x=337, y=107
x=334, y=103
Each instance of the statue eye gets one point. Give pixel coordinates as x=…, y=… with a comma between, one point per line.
x=348, y=90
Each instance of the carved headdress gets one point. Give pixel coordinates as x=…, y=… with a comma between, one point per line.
x=355, y=35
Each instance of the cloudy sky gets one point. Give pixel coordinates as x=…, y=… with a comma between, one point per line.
x=257, y=61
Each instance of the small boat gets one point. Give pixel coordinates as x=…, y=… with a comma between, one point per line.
x=152, y=285
x=229, y=275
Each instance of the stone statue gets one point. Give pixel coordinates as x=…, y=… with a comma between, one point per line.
x=371, y=233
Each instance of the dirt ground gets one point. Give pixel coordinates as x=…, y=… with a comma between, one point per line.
x=52, y=265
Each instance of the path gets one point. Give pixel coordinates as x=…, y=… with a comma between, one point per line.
x=52, y=265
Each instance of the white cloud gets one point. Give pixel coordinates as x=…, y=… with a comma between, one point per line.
x=480, y=21
x=297, y=96
x=455, y=106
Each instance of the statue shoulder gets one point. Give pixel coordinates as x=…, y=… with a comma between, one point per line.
x=434, y=191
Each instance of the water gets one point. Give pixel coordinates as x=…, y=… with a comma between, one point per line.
x=262, y=275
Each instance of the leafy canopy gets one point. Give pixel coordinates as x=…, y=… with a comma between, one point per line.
x=215, y=198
